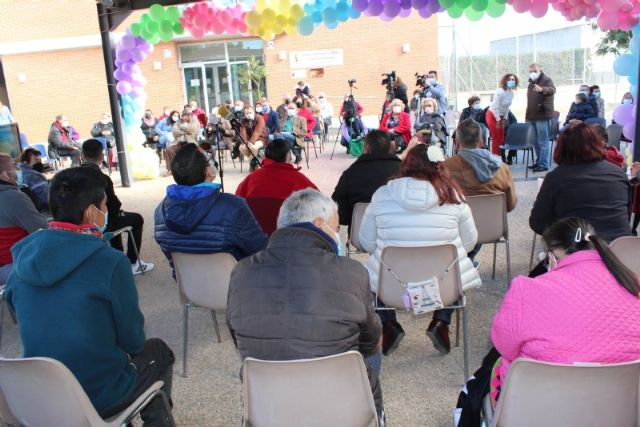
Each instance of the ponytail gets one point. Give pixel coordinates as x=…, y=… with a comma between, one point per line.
x=623, y=275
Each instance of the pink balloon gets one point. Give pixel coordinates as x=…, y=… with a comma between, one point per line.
x=539, y=8
x=611, y=5
x=607, y=21
x=521, y=6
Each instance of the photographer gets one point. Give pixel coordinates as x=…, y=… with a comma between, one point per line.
x=398, y=125
x=433, y=89
x=254, y=131
x=218, y=131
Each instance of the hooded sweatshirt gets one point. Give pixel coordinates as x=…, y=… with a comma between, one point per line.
x=76, y=302
x=200, y=219
x=484, y=164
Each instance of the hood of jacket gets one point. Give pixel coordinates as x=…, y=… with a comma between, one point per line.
x=186, y=206
x=47, y=257
x=7, y=186
x=413, y=194
x=484, y=164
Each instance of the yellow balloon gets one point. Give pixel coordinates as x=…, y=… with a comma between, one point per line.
x=296, y=12
x=252, y=19
x=281, y=22
x=261, y=5
x=268, y=14
x=268, y=35
x=284, y=6
x=292, y=22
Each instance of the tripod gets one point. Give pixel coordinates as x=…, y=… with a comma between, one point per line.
x=348, y=105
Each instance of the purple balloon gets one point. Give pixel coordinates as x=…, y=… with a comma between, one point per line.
x=385, y=18
x=623, y=114
x=137, y=55
x=433, y=6
x=123, y=87
x=146, y=47
x=391, y=9
x=425, y=12
x=127, y=68
x=137, y=91
x=128, y=42
x=405, y=13
x=375, y=7
x=405, y=4
x=360, y=5
x=119, y=74
x=419, y=4
x=123, y=54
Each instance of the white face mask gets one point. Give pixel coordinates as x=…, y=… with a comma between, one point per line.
x=291, y=112
x=250, y=116
x=396, y=109
x=65, y=123
x=432, y=80
x=104, y=121
x=428, y=110
x=416, y=96
x=175, y=118
x=534, y=76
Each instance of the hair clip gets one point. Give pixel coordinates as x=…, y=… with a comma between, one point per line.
x=587, y=237
x=578, y=237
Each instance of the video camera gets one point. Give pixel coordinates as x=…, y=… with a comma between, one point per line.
x=389, y=80
x=422, y=79
x=351, y=82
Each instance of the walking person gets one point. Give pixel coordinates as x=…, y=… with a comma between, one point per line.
x=540, y=94
x=497, y=115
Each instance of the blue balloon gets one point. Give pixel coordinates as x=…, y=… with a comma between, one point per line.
x=332, y=25
x=308, y=8
x=316, y=17
x=305, y=26
x=329, y=15
x=624, y=64
x=354, y=13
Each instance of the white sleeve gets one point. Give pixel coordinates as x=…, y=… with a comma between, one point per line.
x=368, y=229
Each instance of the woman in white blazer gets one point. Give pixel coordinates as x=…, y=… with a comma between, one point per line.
x=423, y=207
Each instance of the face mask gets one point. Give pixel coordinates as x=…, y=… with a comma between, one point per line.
x=396, y=109
x=585, y=93
x=321, y=100
x=627, y=101
x=19, y=178
x=534, y=76
x=596, y=94
x=338, y=240
x=432, y=81
x=104, y=121
x=175, y=118
x=102, y=228
x=578, y=101
x=237, y=109
x=416, y=96
x=291, y=112
x=265, y=109
x=511, y=84
x=65, y=124
x=428, y=110
x=477, y=107
x=250, y=116
x=38, y=167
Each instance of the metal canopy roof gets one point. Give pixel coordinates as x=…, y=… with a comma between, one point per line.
x=119, y=10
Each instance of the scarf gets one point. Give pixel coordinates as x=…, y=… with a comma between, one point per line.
x=64, y=135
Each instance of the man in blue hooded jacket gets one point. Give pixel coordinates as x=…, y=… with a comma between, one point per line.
x=196, y=217
x=76, y=302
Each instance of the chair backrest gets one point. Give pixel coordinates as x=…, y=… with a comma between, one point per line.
x=203, y=279
x=416, y=265
x=555, y=126
x=627, y=248
x=42, y=392
x=520, y=134
x=490, y=215
x=44, y=155
x=614, y=131
x=600, y=121
x=320, y=392
x=356, y=220
x=266, y=211
x=547, y=394
x=317, y=129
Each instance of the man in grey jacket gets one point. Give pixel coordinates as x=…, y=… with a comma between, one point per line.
x=317, y=306
x=18, y=215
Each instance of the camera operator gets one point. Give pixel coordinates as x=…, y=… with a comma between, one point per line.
x=219, y=131
x=432, y=89
x=254, y=131
x=397, y=124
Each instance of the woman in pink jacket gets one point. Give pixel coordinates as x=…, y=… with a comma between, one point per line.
x=585, y=309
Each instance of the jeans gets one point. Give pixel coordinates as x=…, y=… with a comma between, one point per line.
x=127, y=219
x=291, y=139
x=155, y=363
x=541, y=144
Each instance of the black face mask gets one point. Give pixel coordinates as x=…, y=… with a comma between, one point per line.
x=38, y=167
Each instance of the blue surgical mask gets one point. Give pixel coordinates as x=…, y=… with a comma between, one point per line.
x=627, y=101
x=265, y=109
x=432, y=81
x=585, y=93
x=477, y=107
x=237, y=109
x=338, y=240
x=19, y=178
x=596, y=94
x=511, y=84
x=291, y=112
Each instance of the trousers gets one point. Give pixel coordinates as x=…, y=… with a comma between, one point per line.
x=127, y=219
x=541, y=144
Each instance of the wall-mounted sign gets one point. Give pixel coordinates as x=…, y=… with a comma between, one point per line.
x=316, y=58
x=195, y=82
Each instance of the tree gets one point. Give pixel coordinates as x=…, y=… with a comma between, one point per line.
x=613, y=41
x=255, y=73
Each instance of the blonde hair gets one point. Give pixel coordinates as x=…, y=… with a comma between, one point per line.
x=430, y=101
x=397, y=102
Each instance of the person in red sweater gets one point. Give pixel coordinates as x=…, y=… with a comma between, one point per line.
x=397, y=124
x=199, y=113
x=266, y=188
x=304, y=110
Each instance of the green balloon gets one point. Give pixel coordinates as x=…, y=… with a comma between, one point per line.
x=136, y=29
x=172, y=14
x=156, y=12
x=463, y=4
x=152, y=26
x=166, y=27
x=473, y=15
x=145, y=34
x=501, y=1
x=166, y=37
x=480, y=5
x=145, y=18
x=155, y=39
x=446, y=4
x=495, y=9
x=178, y=29
x=455, y=11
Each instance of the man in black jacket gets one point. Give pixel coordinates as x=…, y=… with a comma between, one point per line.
x=93, y=155
x=368, y=173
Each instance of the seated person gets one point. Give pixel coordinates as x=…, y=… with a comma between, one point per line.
x=148, y=125
x=254, y=132
x=613, y=155
x=353, y=127
x=430, y=125
x=580, y=110
x=272, y=183
x=184, y=132
x=84, y=312
x=303, y=90
x=93, y=156
x=282, y=108
x=584, y=185
x=377, y=164
x=18, y=215
x=321, y=290
x=304, y=110
x=219, y=130
x=594, y=93
x=62, y=140
x=293, y=129
x=164, y=129
x=104, y=130
x=326, y=111
x=33, y=178
x=271, y=118
x=397, y=124
x=196, y=217
x=198, y=113
x=591, y=99
x=473, y=111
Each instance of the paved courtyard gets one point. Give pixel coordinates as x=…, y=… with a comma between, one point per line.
x=420, y=386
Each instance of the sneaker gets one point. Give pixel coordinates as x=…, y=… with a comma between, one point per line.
x=533, y=166
x=141, y=267
x=539, y=169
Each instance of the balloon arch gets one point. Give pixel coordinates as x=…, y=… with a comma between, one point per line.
x=269, y=18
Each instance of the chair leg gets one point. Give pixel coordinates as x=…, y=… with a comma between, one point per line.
x=167, y=407
x=215, y=325
x=526, y=165
x=465, y=344
x=185, y=338
x=457, y=328
x=533, y=249
x=313, y=141
x=335, y=143
x=508, y=249
x=493, y=272
x=306, y=155
x=1, y=318
x=135, y=247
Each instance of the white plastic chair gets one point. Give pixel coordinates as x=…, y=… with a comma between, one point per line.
x=203, y=281
x=356, y=220
x=327, y=391
x=415, y=264
x=539, y=394
x=129, y=231
x=40, y=392
x=490, y=216
x=627, y=248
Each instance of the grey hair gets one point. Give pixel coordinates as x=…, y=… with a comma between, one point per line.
x=535, y=64
x=305, y=206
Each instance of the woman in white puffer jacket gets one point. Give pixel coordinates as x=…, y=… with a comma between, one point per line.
x=424, y=207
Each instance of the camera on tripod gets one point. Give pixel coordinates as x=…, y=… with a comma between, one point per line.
x=351, y=82
x=421, y=79
x=389, y=79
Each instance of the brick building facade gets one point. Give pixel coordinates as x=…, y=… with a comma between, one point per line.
x=51, y=63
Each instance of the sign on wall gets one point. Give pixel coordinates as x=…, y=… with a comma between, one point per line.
x=316, y=58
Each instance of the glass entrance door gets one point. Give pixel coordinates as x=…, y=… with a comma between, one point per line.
x=218, y=87
x=241, y=83
x=194, y=84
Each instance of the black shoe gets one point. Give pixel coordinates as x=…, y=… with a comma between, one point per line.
x=540, y=169
x=438, y=333
x=253, y=164
x=533, y=166
x=235, y=153
x=392, y=334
